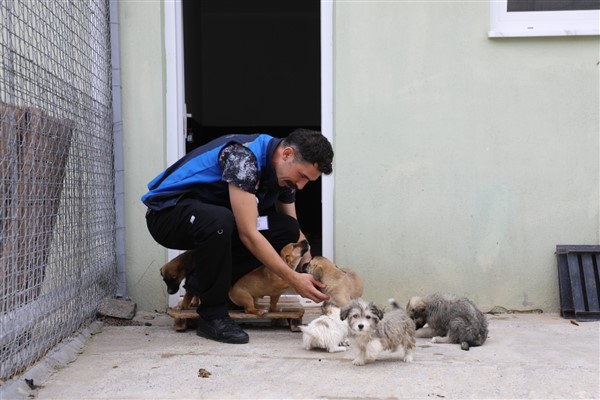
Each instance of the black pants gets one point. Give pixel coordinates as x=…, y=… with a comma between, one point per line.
x=221, y=258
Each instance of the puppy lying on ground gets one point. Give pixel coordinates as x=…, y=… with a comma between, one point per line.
x=373, y=331
x=343, y=284
x=173, y=273
x=263, y=282
x=450, y=319
x=327, y=332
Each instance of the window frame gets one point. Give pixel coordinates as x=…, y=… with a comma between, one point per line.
x=541, y=23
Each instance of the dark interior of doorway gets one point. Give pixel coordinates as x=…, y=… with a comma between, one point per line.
x=253, y=66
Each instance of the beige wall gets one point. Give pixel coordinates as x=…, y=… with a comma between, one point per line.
x=461, y=161
x=143, y=98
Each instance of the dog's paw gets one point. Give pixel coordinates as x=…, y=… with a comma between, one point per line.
x=345, y=342
x=180, y=324
x=440, y=339
x=408, y=358
x=255, y=311
x=358, y=361
x=337, y=349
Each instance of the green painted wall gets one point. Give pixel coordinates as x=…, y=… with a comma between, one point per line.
x=461, y=161
x=143, y=97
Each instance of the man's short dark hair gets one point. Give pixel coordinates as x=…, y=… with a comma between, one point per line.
x=312, y=147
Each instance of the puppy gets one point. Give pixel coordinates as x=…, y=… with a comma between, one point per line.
x=373, y=331
x=263, y=282
x=327, y=332
x=173, y=273
x=449, y=319
x=343, y=284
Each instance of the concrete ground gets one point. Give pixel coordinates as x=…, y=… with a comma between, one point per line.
x=536, y=356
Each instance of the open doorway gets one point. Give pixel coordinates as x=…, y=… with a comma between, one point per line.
x=254, y=66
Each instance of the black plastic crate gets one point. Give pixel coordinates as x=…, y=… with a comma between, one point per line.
x=579, y=281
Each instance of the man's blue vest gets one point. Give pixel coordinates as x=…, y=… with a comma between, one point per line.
x=198, y=175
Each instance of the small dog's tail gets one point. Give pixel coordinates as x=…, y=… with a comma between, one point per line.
x=394, y=304
x=305, y=329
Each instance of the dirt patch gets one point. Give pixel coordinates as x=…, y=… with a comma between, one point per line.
x=110, y=321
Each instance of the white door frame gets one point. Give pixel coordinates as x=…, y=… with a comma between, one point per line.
x=327, y=181
x=174, y=98
x=176, y=113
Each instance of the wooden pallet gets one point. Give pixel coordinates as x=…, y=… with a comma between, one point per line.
x=288, y=309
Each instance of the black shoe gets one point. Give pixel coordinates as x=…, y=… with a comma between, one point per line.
x=222, y=330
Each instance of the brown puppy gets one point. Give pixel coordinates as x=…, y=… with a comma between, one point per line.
x=262, y=282
x=173, y=273
x=343, y=284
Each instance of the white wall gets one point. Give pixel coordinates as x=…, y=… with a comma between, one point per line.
x=461, y=161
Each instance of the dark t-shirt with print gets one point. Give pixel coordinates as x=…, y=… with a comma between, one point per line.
x=241, y=169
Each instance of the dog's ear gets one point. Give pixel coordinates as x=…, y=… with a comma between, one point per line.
x=376, y=310
x=344, y=312
x=318, y=273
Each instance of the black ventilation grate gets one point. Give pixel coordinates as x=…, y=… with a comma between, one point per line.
x=579, y=281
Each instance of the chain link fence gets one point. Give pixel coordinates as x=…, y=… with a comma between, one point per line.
x=57, y=194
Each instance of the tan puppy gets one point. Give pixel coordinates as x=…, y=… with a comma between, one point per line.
x=173, y=273
x=343, y=284
x=263, y=282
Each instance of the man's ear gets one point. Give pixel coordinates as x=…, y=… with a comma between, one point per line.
x=287, y=153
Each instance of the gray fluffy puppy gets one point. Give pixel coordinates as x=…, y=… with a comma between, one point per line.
x=450, y=319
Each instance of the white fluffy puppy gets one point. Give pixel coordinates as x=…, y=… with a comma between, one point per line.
x=326, y=332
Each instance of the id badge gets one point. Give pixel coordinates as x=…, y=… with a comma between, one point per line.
x=262, y=223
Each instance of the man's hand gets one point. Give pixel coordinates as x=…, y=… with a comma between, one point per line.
x=307, y=286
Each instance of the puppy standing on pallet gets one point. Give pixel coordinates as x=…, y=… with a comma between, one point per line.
x=233, y=201
x=342, y=284
x=262, y=282
x=449, y=319
x=173, y=273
